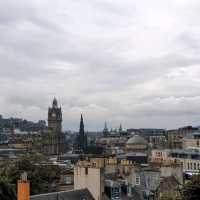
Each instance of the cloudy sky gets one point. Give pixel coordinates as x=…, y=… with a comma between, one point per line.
x=128, y=61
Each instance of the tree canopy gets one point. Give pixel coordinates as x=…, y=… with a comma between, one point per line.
x=7, y=191
x=191, y=190
x=41, y=175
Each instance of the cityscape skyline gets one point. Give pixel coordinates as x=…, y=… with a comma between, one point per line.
x=106, y=124
x=120, y=62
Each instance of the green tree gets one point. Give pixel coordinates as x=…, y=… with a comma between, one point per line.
x=7, y=191
x=191, y=190
x=170, y=196
x=40, y=174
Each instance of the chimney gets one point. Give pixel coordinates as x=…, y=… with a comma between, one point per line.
x=23, y=188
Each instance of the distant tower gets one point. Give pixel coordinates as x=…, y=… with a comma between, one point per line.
x=54, y=139
x=55, y=117
x=120, y=128
x=82, y=138
x=105, y=130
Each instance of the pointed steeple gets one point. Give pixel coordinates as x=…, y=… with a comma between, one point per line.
x=120, y=128
x=55, y=102
x=81, y=130
x=82, y=137
x=105, y=130
x=105, y=126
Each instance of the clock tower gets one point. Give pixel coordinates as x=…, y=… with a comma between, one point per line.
x=53, y=138
x=55, y=117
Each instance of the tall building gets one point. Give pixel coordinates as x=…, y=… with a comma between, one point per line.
x=81, y=141
x=90, y=176
x=55, y=117
x=54, y=139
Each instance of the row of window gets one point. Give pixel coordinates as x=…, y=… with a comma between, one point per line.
x=193, y=166
x=159, y=154
x=137, y=180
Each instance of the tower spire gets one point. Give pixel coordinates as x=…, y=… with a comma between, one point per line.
x=81, y=130
x=82, y=138
x=55, y=102
x=105, y=125
x=105, y=130
x=120, y=128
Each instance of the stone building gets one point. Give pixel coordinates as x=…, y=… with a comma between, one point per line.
x=53, y=138
x=90, y=177
x=136, y=144
x=189, y=158
x=191, y=141
x=175, y=136
x=143, y=183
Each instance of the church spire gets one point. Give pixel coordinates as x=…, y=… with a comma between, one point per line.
x=105, y=130
x=120, y=128
x=81, y=130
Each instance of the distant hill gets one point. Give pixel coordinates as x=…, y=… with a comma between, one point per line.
x=22, y=124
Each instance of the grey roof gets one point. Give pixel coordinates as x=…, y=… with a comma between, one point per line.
x=186, y=151
x=131, y=154
x=193, y=135
x=149, y=180
x=136, y=154
x=136, y=139
x=82, y=194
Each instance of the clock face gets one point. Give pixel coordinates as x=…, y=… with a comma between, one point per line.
x=53, y=115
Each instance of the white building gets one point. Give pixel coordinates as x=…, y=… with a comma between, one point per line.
x=90, y=177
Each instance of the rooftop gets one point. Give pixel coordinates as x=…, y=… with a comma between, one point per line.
x=136, y=139
x=75, y=195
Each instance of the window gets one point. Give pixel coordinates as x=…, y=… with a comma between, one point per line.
x=195, y=166
x=137, y=180
x=188, y=166
x=86, y=171
x=67, y=179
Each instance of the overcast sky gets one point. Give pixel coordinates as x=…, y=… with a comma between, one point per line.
x=128, y=61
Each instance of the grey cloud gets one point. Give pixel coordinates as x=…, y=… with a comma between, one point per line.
x=27, y=100
x=132, y=62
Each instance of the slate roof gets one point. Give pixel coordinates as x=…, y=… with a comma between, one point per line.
x=82, y=194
